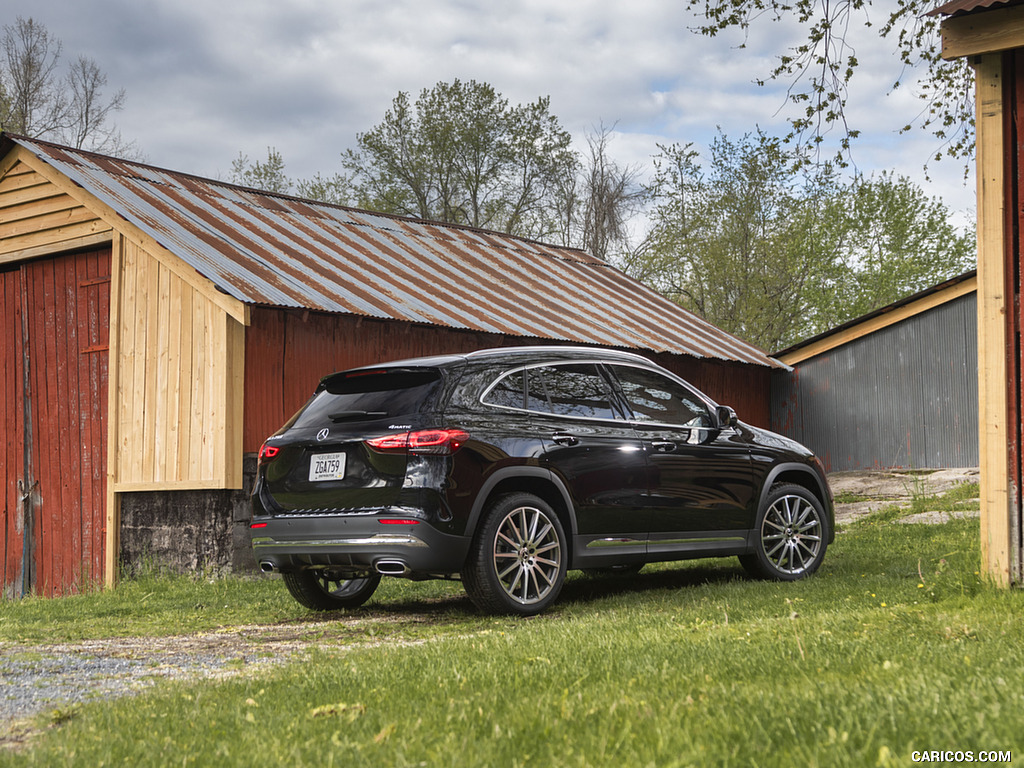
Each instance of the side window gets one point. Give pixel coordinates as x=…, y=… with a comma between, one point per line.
x=507, y=391
x=655, y=398
x=569, y=390
x=537, y=391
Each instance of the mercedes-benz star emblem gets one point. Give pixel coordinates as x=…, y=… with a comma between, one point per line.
x=322, y=434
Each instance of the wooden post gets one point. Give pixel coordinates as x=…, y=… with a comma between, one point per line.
x=998, y=499
x=112, y=541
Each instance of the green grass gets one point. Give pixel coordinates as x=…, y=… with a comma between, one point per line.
x=898, y=644
x=961, y=497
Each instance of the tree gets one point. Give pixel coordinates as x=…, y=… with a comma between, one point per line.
x=268, y=176
x=900, y=241
x=461, y=154
x=820, y=69
x=38, y=100
x=774, y=249
x=611, y=197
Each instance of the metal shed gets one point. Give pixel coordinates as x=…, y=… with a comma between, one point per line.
x=157, y=326
x=897, y=387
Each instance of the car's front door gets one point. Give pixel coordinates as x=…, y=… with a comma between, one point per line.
x=700, y=476
x=596, y=453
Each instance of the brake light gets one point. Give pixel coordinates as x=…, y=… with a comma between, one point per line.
x=431, y=441
x=268, y=453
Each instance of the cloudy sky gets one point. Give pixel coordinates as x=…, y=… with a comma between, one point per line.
x=208, y=79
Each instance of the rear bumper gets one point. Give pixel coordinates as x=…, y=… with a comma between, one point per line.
x=355, y=543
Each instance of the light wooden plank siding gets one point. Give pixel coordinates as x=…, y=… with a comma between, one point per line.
x=179, y=394
x=36, y=218
x=996, y=534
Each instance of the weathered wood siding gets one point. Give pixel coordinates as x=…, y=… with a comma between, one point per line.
x=38, y=218
x=54, y=321
x=287, y=352
x=179, y=377
x=12, y=420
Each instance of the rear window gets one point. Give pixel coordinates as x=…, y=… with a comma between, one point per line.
x=369, y=395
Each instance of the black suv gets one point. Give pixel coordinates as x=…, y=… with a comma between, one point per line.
x=505, y=467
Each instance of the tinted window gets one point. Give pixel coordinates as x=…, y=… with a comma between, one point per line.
x=569, y=390
x=655, y=398
x=536, y=391
x=371, y=395
x=508, y=391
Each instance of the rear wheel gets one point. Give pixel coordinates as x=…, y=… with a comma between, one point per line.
x=518, y=560
x=323, y=591
x=791, y=535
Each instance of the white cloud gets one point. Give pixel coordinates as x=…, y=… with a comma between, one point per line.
x=206, y=80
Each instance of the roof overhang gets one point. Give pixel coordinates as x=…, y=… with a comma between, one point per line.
x=979, y=28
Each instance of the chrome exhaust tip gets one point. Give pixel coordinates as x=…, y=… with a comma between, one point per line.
x=391, y=568
x=268, y=567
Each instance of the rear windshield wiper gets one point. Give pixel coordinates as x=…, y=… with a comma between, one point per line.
x=356, y=415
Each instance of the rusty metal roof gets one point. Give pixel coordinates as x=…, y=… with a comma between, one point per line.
x=277, y=250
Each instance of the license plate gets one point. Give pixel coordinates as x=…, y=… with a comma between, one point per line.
x=327, y=466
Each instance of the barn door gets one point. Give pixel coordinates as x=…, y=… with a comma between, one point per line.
x=55, y=323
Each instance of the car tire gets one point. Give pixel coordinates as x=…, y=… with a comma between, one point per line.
x=791, y=535
x=321, y=591
x=518, y=559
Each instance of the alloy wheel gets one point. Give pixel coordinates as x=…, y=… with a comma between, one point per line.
x=527, y=555
x=791, y=534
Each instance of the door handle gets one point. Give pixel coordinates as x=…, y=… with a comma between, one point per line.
x=663, y=446
x=563, y=438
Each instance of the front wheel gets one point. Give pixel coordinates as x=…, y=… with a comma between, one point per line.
x=791, y=535
x=323, y=591
x=518, y=560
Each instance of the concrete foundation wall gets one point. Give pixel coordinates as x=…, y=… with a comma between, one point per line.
x=188, y=531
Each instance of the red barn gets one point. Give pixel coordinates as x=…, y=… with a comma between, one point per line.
x=158, y=326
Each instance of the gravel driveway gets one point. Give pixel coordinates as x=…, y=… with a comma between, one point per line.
x=53, y=676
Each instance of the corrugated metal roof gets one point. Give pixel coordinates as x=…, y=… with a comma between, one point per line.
x=959, y=7
x=283, y=251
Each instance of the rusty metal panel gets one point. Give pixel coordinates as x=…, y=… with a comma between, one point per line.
x=280, y=251
x=287, y=352
x=905, y=396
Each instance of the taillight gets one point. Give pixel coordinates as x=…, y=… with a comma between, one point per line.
x=267, y=453
x=434, y=441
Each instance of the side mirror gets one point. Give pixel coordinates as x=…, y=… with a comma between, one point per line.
x=726, y=416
